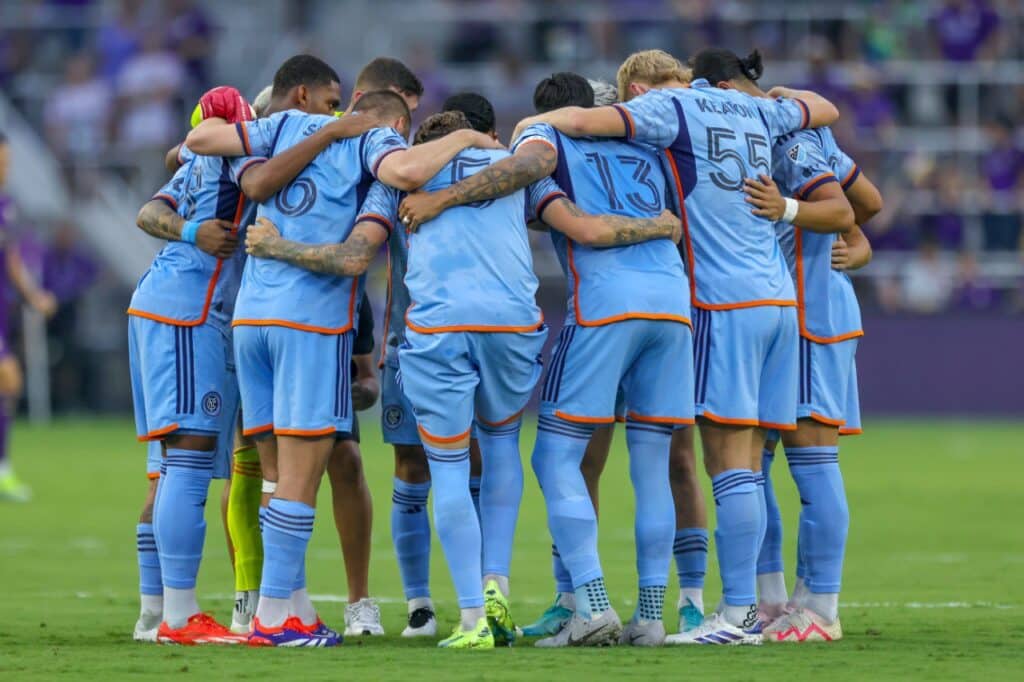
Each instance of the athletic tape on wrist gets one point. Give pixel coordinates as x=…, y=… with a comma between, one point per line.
x=269, y=487
x=792, y=206
x=189, y=231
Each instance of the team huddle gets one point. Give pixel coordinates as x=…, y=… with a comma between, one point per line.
x=704, y=227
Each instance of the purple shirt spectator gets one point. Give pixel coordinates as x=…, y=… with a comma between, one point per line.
x=962, y=27
x=1003, y=167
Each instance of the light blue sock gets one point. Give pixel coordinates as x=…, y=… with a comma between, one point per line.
x=287, y=527
x=650, y=602
x=736, y=536
x=178, y=523
x=501, y=491
x=556, y=462
x=563, y=581
x=655, y=518
x=150, y=581
x=592, y=599
x=762, y=509
x=474, y=492
x=769, y=560
x=690, y=548
x=456, y=522
x=824, y=517
x=410, y=534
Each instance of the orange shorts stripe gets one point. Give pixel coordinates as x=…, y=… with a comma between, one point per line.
x=744, y=304
x=843, y=431
x=659, y=317
x=306, y=433
x=158, y=433
x=777, y=427
x=729, y=421
x=258, y=429
x=825, y=340
x=826, y=420
x=659, y=420
x=584, y=420
x=153, y=475
x=503, y=422
x=495, y=329
x=443, y=439
x=292, y=325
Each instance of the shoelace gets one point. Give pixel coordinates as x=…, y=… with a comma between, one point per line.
x=367, y=609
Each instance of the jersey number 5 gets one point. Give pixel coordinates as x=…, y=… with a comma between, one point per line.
x=721, y=148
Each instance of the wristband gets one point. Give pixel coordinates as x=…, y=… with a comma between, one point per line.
x=189, y=230
x=792, y=206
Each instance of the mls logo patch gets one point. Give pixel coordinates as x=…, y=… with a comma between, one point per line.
x=211, y=404
x=393, y=416
x=796, y=153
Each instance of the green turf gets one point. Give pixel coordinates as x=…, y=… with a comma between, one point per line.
x=932, y=585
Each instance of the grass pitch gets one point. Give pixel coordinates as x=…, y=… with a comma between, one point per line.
x=932, y=587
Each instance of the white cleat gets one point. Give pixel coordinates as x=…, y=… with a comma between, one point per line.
x=363, y=618
x=803, y=625
x=244, y=611
x=146, y=626
x=716, y=630
x=422, y=623
x=643, y=633
x=601, y=631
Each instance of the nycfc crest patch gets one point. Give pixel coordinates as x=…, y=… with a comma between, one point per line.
x=796, y=153
x=393, y=416
x=211, y=403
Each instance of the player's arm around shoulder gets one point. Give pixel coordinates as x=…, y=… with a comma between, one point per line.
x=823, y=209
x=350, y=258
x=410, y=168
x=608, y=230
x=579, y=122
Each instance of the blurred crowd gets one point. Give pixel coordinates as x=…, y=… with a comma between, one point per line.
x=929, y=92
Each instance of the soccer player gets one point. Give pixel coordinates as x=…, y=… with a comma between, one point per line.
x=739, y=284
x=11, y=488
x=627, y=325
x=282, y=348
x=812, y=227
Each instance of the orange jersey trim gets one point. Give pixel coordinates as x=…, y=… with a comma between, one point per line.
x=825, y=340
x=828, y=421
x=306, y=433
x=779, y=303
x=158, y=434
x=210, y=288
x=659, y=420
x=801, y=298
x=777, y=427
x=584, y=420
x=580, y=320
x=307, y=327
x=488, y=329
x=503, y=422
x=243, y=133
x=258, y=429
x=728, y=420
x=443, y=439
x=153, y=476
x=387, y=307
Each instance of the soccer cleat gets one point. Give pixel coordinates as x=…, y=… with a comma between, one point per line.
x=716, y=630
x=601, y=631
x=146, y=626
x=550, y=622
x=498, y=616
x=13, y=490
x=803, y=625
x=479, y=637
x=769, y=613
x=422, y=623
x=320, y=628
x=363, y=618
x=245, y=609
x=690, y=616
x=292, y=633
x=200, y=629
x=643, y=633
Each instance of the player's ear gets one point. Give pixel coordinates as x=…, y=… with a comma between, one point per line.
x=637, y=89
x=302, y=96
x=725, y=85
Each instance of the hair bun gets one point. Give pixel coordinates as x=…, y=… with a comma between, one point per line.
x=752, y=65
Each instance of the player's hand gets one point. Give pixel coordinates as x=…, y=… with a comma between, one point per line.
x=351, y=125
x=840, y=254
x=261, y=237
x=44, y=303
x=781, y=91
x=419, y=207
x=223, y=102
x=217, y=238
x=673, y=221
x=765, y=197
x=364, y=394
x=523, y=125
x=484, y=141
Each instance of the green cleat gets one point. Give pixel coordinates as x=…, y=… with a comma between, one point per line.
x=479, y=637
x=550, y=622
x=13, y=490
x=498, y=615
x=690, y=617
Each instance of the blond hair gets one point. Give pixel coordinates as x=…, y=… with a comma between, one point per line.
x=651, y=67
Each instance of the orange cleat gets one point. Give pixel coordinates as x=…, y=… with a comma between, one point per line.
x=200, y=629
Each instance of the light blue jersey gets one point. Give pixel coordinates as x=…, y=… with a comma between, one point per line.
x=470, y=268
x=641, y=281
x=318, y=207
x=827, y=304
x=715, y=138
x=186, y=286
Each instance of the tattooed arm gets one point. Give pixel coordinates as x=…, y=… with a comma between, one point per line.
x=530, y=163
x=215, y=237
x=609, y=230
x=350, y=258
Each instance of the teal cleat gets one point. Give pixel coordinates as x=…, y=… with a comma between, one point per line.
x=550, y=622
x=690, y=617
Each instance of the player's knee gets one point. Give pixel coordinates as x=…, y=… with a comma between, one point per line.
x=411, y=464
x=345, y=466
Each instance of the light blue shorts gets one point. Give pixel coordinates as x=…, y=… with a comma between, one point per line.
x=650, y=360
x=396, y=416
x=453, y=377
x=293, y=382
x=746, y=363
x=828, y=384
